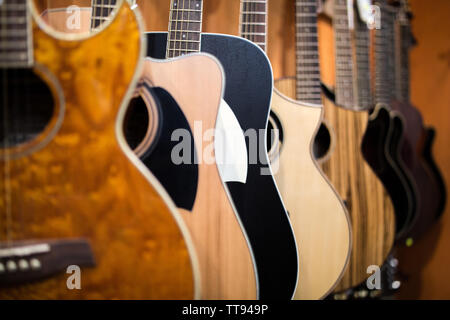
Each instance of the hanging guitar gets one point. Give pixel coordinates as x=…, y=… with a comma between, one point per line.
x=393, y=64
x=72, y=194
x=370, y=207
x=248, y=90
x=319, y=219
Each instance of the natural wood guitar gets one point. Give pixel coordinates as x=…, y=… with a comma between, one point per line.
x=190, y=90
x=370, y=207
x=248, y=90
x=319, y=218
x=72, y=192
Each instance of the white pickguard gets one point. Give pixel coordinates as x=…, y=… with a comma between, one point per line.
x=365, y=10
x=230, y=147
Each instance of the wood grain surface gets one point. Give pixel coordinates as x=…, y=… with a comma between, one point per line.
x=321, y=224
x=371, y=210
x=226, y=263
x=83, y=184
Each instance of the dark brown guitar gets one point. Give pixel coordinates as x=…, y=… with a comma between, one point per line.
x=392, y=88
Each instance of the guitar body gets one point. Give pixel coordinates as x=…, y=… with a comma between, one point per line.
x=369, y=205
x=248, y=90
x=319, y=219
x=427, y=185
x=427, y=153
x=76, y=195
x=190, y=91
x=380, y=147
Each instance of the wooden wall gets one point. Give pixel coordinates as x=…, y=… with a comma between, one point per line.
x=429, y=261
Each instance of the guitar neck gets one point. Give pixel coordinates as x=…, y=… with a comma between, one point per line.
x=15, y=34
x=185, y=27
x=404, y=45
x=253, y=22
x=363, y=94
x=385, y=56
x=101, y=12
x=344, y=55
x=307, y=53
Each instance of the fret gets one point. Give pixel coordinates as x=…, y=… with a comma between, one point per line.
x=185, y=26
x=253, y=33
x=15, y=34
x=253, y=22
x=250, y=13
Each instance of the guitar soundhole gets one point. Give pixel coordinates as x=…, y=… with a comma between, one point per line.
x=322, y=142
x=274, y=138
x=27, y=106
x=136, y=122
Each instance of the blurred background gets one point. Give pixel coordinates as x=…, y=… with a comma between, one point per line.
x=425, y=267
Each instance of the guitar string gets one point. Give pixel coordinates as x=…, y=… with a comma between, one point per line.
x=176, y=12
x=253, y=17
x=169, y=34
x=6, y=157
x=181, y=31
x=189, y=27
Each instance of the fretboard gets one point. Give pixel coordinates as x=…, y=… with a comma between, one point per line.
x=344, y=55
x=101, y=12
x=307, y=53
x=405, y=46
x=15, y=34
x=253, y=22
x=185, y=27
x=363, y=94
x=385, y=59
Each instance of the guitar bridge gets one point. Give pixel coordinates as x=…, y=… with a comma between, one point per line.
x=28, y=261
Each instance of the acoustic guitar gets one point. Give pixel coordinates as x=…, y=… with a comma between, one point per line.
x=383, y=136
x=319, y=218
x=189, y=89
x=370, y=207
x=74, y=198
x=248, y=91
x=392, y=43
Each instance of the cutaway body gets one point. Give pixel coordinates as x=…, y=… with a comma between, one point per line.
x=77, y=184
x=371, y=210
x=318, y=217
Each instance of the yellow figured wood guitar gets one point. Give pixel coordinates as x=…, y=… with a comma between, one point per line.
x=319, y=219
x=80, y=216
x=370, y=207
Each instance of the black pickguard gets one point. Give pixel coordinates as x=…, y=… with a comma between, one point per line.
x=378, y=148
x=180, y=181
x=248, y=91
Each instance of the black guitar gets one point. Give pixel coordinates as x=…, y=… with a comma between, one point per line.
x=248, y=92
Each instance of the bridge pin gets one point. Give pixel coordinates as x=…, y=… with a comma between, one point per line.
x=35, y=264
x=11, y=266
x=2, y=268
x=23, y=264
